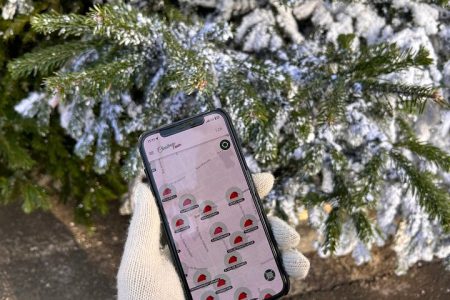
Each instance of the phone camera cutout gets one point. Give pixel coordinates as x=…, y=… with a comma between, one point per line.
x=225, y=144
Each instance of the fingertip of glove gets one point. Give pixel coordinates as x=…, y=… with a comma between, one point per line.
x=286, y=236
x=296, y=264
x=264, y=183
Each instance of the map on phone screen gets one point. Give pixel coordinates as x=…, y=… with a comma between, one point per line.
x=213, y=220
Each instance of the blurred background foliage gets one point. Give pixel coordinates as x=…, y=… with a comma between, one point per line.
x=36, y=165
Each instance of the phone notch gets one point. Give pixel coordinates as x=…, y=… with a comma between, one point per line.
x=185, y=125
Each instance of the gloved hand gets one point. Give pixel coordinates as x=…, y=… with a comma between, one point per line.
x=146, y=270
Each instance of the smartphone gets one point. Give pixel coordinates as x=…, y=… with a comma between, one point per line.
x=216, y=227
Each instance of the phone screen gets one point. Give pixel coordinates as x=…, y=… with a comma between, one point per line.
x=214, y=223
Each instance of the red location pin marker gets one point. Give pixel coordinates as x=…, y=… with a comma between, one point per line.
x=266, y=294
x=202, y=276
x=237, y=238
x=242, y=294
x=233, y=259
x=208, y=209
x=218, y=231
x=187, y=203
x=234, y=195
x=222, y=283
x=249, y=223
x=209, y=295
x=167, y=192
x=180, y=223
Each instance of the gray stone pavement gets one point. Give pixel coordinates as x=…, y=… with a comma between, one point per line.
x=41, y=259
x=44, y=255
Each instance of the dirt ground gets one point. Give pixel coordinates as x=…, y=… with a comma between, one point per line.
x=46, y=256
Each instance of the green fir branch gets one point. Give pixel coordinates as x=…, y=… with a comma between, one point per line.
x=34, y=197
x=65, y=25
x=346, y=66
x=332, y=110
x=405, y=129
x=370, y=177
x=47, y=59
x=434, y=199
x=333, y=230
x=350, y=200
x=20, y=187
x=119, y=22
x=254, y=113
x=427, y=151
x=312, y=199
x=363, y=226
x=14, y=155
x=7, y=188
x=245, y=98
x=345, y=42
x=372, y=170
x=343, y=194
x=411, y=96
x=96, y=79
x=123, y=23
x=98, y=200
x=188, y=71
x=385, y=58
x=312, y=160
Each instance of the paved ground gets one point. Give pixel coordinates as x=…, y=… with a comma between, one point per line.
x=42, y=257
x=46, y=256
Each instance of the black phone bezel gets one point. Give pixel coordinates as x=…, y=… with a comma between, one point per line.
x=250, y=183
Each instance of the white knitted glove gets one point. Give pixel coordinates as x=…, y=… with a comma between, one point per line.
x=146, y=270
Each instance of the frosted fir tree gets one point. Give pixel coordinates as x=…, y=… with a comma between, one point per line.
x=16, y=7
x=347, y=104
x=25, y=143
